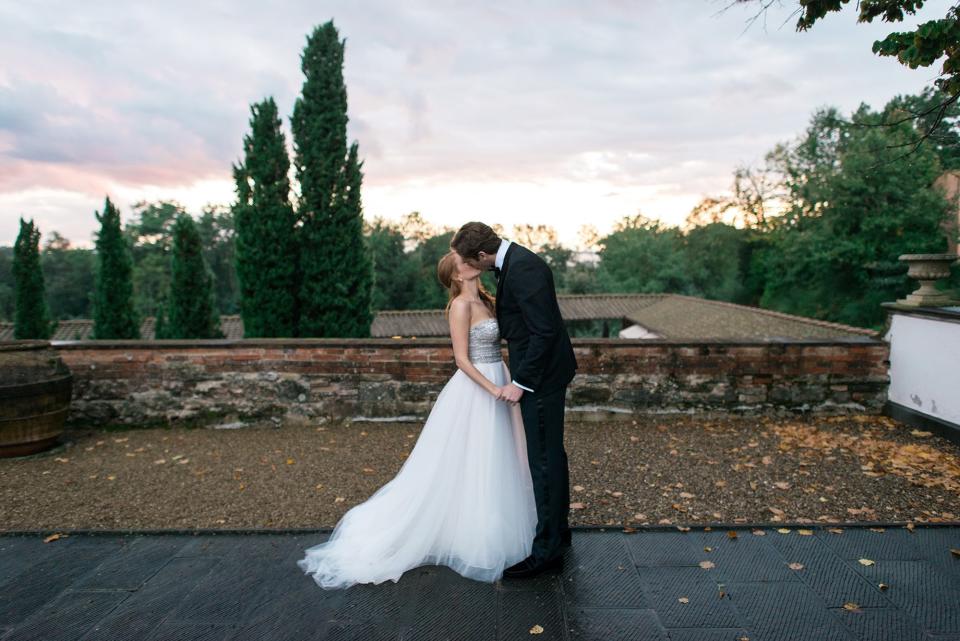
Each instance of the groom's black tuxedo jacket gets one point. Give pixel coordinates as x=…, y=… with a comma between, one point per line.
x=541, y=356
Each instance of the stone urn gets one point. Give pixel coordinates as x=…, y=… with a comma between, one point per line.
x=35, y=391
x=928, y=269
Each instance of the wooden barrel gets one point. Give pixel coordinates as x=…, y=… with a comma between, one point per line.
x=35, y=390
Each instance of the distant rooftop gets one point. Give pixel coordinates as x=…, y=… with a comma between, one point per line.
x=668, y=316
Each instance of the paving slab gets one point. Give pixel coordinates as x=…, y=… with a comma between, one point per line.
x=647, y=584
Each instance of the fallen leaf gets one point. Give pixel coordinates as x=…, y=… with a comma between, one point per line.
x=577, y=506
x=537, y=629
x=683, y=599
x=882, y=586
x=290, y=461
x=706, y=565
x=795, y=566
x=784, y=530
x=866, y=562
x=55, y=537
x=578, y=488
x=849, y=605
x=921, y=433
x=805, y=532
x=61, y=460
x=731, y=534
x=368, y=470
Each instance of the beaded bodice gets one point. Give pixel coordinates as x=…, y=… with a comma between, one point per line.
x=485, y=342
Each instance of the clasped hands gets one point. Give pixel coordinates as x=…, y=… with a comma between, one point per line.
x=509, y=393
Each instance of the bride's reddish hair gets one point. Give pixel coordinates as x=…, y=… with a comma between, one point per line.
x=446, y=274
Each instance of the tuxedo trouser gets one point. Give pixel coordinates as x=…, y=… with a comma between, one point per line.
x=543, y=424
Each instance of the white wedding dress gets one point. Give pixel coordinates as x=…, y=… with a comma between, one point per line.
x=463, y=498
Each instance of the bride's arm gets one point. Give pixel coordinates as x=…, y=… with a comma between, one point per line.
x=460, y=334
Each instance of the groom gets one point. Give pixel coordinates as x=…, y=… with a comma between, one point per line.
x=542, y=364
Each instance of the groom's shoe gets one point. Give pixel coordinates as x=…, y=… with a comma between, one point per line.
x=529, y=568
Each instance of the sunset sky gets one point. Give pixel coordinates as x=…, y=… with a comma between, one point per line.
x=559, y=113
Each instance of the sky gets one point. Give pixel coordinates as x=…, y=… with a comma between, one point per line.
x=560, y=112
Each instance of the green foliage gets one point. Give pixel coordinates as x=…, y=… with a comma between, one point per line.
x=716, y=255
x=6, y=283
x=855, y=204
x=642, y=256
x=395, y=273
x=266, y=244
x=149, y=234
x=31, y=316
x=69, y=276
x=191, y=312
x=926, y=110
x=336, y=272
x=218, y=234
x=114, y=315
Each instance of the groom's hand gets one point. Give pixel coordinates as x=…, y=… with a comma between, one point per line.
x=512, y=393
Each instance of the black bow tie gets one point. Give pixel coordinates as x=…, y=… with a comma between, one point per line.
x=496, y=273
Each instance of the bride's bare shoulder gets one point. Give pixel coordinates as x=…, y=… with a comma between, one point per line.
x=460, y=307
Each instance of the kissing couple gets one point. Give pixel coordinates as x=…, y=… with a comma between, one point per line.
x=485, y=489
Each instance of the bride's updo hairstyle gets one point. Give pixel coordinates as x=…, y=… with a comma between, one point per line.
x=447, y=273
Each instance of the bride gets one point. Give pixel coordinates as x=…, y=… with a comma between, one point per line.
x=464, y=497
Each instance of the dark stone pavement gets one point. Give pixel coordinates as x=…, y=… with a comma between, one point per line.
x=615, y=586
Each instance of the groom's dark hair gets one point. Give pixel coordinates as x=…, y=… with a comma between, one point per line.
x=473, y=238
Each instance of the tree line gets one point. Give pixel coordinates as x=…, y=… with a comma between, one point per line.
x=815, y=230
x=293, y=264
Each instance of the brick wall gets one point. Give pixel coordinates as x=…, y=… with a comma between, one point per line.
x=201, y=382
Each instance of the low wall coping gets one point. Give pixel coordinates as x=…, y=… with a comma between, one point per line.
x=406, y=343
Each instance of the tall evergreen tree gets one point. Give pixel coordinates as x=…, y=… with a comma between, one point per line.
x=31, y=316
x=266, y=248
x=191, y=309
x=335, y=275
x=113, y=312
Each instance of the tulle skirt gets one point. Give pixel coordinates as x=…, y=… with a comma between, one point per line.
x=463, y=498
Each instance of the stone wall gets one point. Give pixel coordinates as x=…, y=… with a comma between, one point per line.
x=232, y=382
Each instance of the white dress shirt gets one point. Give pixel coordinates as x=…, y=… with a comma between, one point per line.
x=502, y=253
x=498, y=263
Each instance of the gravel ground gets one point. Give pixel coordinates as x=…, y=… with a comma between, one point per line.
x=655, y=470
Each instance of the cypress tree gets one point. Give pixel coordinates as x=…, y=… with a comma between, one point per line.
x=266, y=250
x=113, y=312
x=31, y=315
x=191, y=311
x=335, y=267
x=356, y=278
